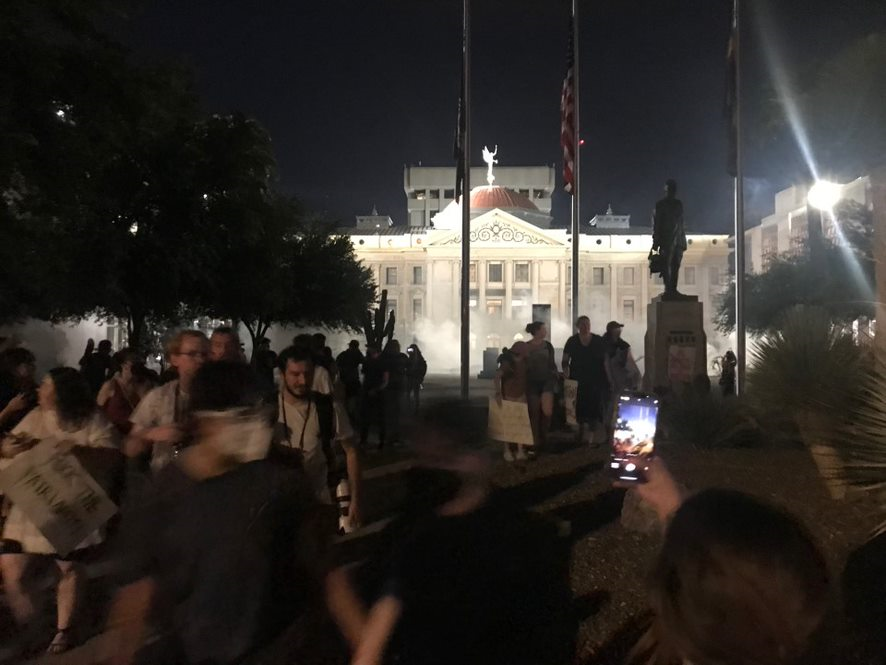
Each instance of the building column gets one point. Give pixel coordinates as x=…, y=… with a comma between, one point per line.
x=429, y=290
x=561, y=290
x=534, y=268
x=456, y=291
x=481, y=286
x=613, y=293
x=509, y=288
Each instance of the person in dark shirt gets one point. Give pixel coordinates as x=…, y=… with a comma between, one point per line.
x=584, y=360
x=18, y=386
x=96, y=366
x=375, y=381
x=398, y=367
x=415, y=375
x=219, y=551
x=349, y=362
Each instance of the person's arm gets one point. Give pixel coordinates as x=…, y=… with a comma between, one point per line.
x=16, y=404
x=660, y=491
x=345, y=606
x=565, y=364
x=128, y=620
x=380, y=624
x=345, y=436
x=105, y=393
x=632, y=365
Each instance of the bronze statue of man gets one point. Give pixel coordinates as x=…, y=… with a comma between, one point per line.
x=668, y=238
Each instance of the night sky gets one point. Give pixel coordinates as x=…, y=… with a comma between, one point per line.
x=351, y=90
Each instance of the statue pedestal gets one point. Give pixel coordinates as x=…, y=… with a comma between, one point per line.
x=676, y=344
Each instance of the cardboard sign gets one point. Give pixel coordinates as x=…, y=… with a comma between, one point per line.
x=570, y=398
x=56, y=493
x=509, y=422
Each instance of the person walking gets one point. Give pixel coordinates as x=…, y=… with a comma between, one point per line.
x=415, y=376
x=510, y=384
x=67, y=413
x=541, y=374
x=584, y=361
x=375, y=381
x=349, y=362
x=397, y=365
x=120, y=395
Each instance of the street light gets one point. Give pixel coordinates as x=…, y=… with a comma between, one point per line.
x=823, y=195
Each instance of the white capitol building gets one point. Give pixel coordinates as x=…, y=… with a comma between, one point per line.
x=518, y=260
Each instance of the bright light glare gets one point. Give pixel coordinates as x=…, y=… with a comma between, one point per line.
x=134, y=228
x=824, y=195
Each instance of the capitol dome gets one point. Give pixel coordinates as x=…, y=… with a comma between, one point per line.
x=485, y=198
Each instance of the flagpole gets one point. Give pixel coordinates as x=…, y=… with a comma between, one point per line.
x=576, y=219
x=466, y=207
x=740, y=339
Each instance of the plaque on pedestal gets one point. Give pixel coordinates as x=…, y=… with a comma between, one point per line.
x=676, y=344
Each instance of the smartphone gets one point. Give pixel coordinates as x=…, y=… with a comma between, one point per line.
x=633, y=436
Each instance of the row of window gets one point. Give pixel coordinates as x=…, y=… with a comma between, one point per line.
x=599, y=275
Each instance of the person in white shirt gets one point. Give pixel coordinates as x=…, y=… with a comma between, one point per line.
x=312, y=423
x=157, y=420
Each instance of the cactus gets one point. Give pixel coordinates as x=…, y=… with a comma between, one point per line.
x=374, y=326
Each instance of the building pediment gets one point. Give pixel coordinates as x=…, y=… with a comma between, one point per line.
x=498, y=228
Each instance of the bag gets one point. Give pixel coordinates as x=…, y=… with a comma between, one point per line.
x=656, y=263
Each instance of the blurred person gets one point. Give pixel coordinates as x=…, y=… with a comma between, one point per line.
x=314, y=424
x=96, y=365
x=224, y=344
x=621, y=366
x=329, y=363
x=541, y=374
x=349, y=362
x=121, y=393
x=727, y=373
x=158, y=420
x=375, y=381
x=66, y=412
x=584, y=360
x=472, y=578
x=222, y=554
x=736, y=582
x=510, y=384
x=264, y=361
x=397, y=364
x=18, y=386
x=317, y=344
x=416, y=371
x=322, y=378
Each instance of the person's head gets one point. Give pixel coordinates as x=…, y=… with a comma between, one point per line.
x=318, y=342
x=519, y=349
x=730, y=357
x=392, y=347
x=372, y=351
x=537, y=329
x=66, y=391
x=297, y=368
x=737, y=582
x=264, y=344
x=104, y=347
x=584, y=325
x=126, y=361
x=354, y=345
x=224, y=344
x=413, y=350
x=19, y=364
x=187, y=352
x=670, y=187
x=303, y=341
x=613, y=329
x=221, y=386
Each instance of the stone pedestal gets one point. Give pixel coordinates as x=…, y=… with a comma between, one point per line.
x=676, y=344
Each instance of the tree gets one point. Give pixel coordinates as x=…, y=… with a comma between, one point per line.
x=838, y=279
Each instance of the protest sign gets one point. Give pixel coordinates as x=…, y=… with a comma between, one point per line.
x=56, y=493
x=509, y=422
x=570, y=397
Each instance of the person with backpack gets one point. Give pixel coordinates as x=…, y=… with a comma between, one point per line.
x=311, y=425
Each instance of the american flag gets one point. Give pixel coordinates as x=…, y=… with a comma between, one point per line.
x=567, y=117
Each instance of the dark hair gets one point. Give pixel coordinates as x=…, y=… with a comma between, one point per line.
x=354, y=344
x=104, y=346
x=296, y=354
x=737, y=581
x=227, y=330
x=303, y=340
x=583, y=317
x=319, y=339
x=222, y=385
x=393, y=346
x=74, y=401
x=534, y=327
x=12, y=358
x=127, y=355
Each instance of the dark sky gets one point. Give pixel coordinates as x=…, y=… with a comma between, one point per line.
x=351, y=90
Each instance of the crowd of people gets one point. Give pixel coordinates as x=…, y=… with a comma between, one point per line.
x=231, y=487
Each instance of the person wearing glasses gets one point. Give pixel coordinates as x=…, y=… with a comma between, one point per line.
x=157, y=421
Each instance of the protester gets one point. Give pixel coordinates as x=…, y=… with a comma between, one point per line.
x=121, y=393
x=727, y=373
x=584, y=360
x=397, y=364
x=66, y=412
x=317, y=344
x=415, y=376
x=510, y=384
x=157, y=422
x=322, y=378
x=541, y=374
x=375, y=381
x=622, y=368
x=474, y=580
x=221, y=555
x=313, y=424
x=264, y=362
x=349, y=362
x=96, y=365
x=18, y=387
x=736, y=582
x=224, y=344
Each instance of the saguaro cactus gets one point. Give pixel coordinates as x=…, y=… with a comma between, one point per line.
x=374, y=326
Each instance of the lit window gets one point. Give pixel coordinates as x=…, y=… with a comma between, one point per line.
x=417, y=309
x=494, y=273
x=418, y=276
x=391, y=276
x=521, y=273
x=494, y=308
x=689, y=275
x=628, y=277
x=598, y=276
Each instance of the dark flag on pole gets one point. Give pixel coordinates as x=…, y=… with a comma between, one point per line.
x=731, y=106
x=459, y=147
x=567, y=117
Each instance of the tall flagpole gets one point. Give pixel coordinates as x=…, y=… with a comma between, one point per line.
x=576, y=219
x=740, y=339
x=466, y=207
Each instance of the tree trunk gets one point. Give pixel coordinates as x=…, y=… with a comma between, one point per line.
x=253, y=336
x=136, y=325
